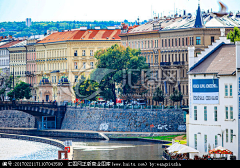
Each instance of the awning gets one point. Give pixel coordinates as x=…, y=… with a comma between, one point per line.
x=188, y=149
x=220, y=150
x=55, y=71
x=175, y=147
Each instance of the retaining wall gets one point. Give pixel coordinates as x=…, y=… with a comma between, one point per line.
x=53, y=142
x=124, y=120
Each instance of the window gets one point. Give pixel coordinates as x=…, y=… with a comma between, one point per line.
x=76, y=78
x=216, y=140
x=226, y=90
x=75, y=65
x=215, y=114
x=176, y=42
x=231, y=138
x=84, y=65
x=186, y=41
x=195, y=141
x=231, y=112
x=205, y=113
x=230, y=90
x=212, y=39
x=182, y=41
x=198, y=40
x=205, y=143
x=195, y=112
x=91, y=64
x=226, y=113
x=156, y=58
x=91, y=52
x=226, y=135
x=83, y=53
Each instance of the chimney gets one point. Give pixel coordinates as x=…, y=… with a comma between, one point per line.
x=191, y=56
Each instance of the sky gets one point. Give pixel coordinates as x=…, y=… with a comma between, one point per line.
x=102, y=10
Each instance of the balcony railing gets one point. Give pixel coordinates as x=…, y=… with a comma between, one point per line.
x=179, y=63
x=165, y=63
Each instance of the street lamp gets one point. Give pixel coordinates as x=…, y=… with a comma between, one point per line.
x=13, y=100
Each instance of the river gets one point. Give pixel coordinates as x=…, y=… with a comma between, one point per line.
x=84, y=149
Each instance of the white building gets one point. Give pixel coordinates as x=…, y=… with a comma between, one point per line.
x=28, y=22
x=214, y=95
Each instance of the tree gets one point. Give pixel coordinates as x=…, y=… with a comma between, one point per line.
x=234, y=35
x=176, y=96
x=112, y=64
x=5, y=84
x=22, y=90
x=158, y=95
x=86, y=89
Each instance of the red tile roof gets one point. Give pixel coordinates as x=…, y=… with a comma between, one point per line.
x=10, y=44
x=91, y=34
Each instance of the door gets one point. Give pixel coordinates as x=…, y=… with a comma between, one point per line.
x=47, y=98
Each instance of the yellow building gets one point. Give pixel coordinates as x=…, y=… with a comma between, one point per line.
x=18, y=56
x=70, y=53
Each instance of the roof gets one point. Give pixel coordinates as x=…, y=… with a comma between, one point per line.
x=198, y=21
x=91, y=34
x=221, y=62
x=10, y=44
x=201, y=20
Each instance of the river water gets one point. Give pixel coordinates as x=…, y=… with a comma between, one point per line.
x=12, y=149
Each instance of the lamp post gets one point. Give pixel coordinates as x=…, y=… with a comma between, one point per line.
x=13, y=100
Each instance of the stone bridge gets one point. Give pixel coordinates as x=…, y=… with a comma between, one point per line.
x=48, y=115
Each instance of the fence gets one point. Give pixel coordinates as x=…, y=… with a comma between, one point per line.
x=76, y=105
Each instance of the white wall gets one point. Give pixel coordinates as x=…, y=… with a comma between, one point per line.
x=211, y=127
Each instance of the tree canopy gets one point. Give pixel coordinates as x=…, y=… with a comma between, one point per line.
x=234, y=35
x=117, y=67
x=22, y=90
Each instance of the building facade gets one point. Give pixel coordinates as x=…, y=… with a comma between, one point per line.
x=18, y=60
x=70, y=54
x=214, y=97
x=164, y=43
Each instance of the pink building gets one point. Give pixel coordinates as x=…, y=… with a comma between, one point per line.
x=31, y=66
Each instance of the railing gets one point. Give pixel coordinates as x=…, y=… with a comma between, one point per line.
x=165, y=63
x=166, y=156
x=152, y=107
x=179, y=63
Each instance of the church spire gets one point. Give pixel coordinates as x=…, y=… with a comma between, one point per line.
x=198, y=22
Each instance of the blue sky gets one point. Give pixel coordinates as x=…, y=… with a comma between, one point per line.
x=90, y=10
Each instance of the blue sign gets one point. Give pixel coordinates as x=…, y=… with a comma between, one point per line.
x=205, y=85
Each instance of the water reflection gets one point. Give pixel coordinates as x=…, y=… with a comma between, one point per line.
x=117, y=150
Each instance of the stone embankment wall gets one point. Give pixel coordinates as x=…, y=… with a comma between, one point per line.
x=124, y=120
x=16, y=119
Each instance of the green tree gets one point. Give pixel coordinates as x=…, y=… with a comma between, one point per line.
x=22, y=90
x=86, y=89
x=112, y=65
x=5, y=83
x=234, y=35
x=158, y=95
x=176, y=96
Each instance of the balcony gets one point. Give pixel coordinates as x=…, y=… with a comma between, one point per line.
x=165, y=64
x=178, y=63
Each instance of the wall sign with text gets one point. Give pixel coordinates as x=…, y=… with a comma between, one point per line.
x=205, y=91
